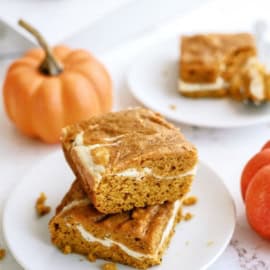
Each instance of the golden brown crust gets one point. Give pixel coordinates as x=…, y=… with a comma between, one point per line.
x=139, y=229
x=199, y=58
x=137, y=139
x=234, y=44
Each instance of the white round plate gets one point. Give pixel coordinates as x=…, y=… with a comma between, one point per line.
x=195, y=245
x=153, y=77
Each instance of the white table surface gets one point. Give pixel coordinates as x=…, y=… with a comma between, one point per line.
x=225, y=150
x=62, y=17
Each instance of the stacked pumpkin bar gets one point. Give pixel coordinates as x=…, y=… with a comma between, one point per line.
x=218, y=65
x=133, y=169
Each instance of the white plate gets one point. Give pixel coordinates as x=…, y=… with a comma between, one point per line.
x=153, y=77
x=195, y=246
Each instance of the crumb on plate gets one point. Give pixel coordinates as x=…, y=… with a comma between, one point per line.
x=210, y=243
x=2, y=254
x=109, y=266
x=67, y=249
x=172, y=107
x=91, y=257
x=188, y=216
x=190, y=201
x=41, y=208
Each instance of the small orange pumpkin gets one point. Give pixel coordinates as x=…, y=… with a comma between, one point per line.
x=42, y=95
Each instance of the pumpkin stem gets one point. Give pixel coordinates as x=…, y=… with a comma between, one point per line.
x=49, y=66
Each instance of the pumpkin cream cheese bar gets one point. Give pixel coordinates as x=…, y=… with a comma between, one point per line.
x=137, y=238
x=209, y=63
x=131, y=158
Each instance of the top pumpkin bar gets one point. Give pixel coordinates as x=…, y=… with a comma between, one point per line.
x=209, y=62
x=128, y=159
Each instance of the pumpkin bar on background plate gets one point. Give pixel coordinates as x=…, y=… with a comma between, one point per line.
x=208, y=63
x=137, y=238
x=128, y=159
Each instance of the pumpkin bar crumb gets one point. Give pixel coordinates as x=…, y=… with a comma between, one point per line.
x=41, y=208
x=210, y=243
x=190, y=201
x=172, y=107
x=188, y=216
x=91, y=257
x=109, y=266
x=67, y=249
x=2, y=254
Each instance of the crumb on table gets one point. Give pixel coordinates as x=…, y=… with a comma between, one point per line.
x=210, y=243
x=67, y=249
x=190, y=201
x=109, y=266
x=41, y=208
x=91, y=257
x=2, y=254
x=188, y=216
x=172, y=107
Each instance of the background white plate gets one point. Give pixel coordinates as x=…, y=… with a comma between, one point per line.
x=195, y=246
x=153, y=77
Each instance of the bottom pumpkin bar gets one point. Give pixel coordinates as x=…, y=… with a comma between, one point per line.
x=137, y=238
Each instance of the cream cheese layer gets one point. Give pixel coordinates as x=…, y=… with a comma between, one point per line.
x=196, y=87
x=138, y=174
x=73, y=204
x=85, y=155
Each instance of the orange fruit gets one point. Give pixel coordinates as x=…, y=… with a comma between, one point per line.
x=260, y=160
x=258, y=202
